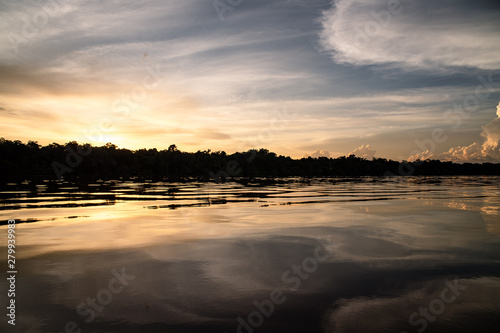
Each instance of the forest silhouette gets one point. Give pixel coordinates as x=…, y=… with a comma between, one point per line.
x=84, y=162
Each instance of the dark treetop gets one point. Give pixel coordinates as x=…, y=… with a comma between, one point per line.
x=73, y=161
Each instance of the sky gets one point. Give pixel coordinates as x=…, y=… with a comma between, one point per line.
x=397, y=79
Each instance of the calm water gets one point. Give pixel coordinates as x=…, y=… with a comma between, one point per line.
x=344, y=255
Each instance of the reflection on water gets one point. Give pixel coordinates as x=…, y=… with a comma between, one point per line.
x=324, y=255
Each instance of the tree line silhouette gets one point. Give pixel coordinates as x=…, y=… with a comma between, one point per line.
x=74, y=161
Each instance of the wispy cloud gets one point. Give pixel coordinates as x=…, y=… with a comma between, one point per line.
x=413, y=35
x=222, y=82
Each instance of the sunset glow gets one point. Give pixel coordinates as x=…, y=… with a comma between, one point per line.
x=161, y=73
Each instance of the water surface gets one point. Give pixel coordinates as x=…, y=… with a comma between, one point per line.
x=324, y=255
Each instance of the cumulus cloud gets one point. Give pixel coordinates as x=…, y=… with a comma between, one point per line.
x=364, y=152
x=412, y=35
x=318, y=153
x=478, y=152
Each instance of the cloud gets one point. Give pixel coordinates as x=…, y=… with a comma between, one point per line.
x=30, y=80
x=211, y=134
x=477, y=152
x=364, y=152
x=318, y=153
x=412, y=35
x=220, y=82
x=474, y=301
